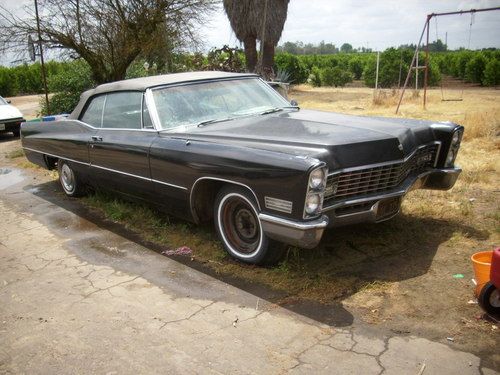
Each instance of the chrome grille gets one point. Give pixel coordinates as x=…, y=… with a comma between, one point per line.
x=377, y=179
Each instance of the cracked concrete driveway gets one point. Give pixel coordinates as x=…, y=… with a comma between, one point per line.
x=76, y=298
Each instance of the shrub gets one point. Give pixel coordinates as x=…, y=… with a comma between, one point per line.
x=315, y=77
x=29, y=78
x=67, y=86
x=8, y=82
x=335, y=77
x=355, y=66
x=474, y=69
x=293, y=65
x=460, y=62
x=492, y=73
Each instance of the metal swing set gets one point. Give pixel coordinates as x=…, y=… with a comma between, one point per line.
x=414, y=63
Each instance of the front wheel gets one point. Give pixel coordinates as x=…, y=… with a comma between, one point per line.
x=238, y=226
x=69, y=179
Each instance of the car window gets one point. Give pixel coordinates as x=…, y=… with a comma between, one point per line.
x=122, y=110
x=93, y=113
x=146, y=117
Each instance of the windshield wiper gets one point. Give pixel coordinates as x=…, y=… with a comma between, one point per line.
x=213, y=120
x=271, y=110
x=278, y=109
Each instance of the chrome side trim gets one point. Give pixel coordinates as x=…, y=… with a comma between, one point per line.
x=168, y=184
x=56, y=156
x=120, y=172
x=304, y=225
x=114, y=129
x=108, y=169
x=366, y=166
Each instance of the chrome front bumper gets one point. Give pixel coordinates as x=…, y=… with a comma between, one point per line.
x=437, y=179
x=307, y=234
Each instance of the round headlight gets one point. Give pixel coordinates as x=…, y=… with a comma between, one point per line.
x=316, y=178
x=455, y=139
x=312, y=203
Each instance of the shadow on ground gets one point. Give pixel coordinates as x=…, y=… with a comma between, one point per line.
x=7, y=137
x=352, y=257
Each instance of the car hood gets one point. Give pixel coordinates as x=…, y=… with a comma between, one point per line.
x=8, y=112
x=340, y=140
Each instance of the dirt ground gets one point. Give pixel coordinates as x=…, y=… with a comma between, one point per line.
x=402, y=276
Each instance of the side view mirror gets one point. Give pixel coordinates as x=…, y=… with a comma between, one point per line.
x=294, y=103
x=9, y=101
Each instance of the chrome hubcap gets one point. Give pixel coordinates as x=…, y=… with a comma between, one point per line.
x=67, y=178
x=240, y=226
x=245, y=223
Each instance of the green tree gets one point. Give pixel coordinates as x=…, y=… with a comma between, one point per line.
x=109, y=34
x=346, y=48
x=474, y=69
x=356, y=66
x=492, y=73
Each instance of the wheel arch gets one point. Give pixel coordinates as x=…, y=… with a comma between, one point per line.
x=203, y=193
x=50, y=162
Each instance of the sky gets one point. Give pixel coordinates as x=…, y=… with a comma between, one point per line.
x=376, y=24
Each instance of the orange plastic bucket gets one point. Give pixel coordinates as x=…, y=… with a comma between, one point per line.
x=481, y=262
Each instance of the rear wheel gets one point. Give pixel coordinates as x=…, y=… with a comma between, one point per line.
x=239, y=228
x=70, y=182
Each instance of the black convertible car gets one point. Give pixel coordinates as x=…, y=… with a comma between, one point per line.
x=227, y=147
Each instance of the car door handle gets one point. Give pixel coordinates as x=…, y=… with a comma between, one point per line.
x=96, y=138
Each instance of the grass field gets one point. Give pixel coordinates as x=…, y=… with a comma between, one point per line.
x=397, y=275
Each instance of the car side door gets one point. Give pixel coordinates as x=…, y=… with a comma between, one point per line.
x=119, y=150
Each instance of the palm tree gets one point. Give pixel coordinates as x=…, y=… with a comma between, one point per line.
x=253, y=20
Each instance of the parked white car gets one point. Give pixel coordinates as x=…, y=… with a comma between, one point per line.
x=10, y=118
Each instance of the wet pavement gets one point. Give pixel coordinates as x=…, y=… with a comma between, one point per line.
x=79, y=296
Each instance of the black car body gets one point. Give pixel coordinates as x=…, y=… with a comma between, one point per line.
x=276, y=173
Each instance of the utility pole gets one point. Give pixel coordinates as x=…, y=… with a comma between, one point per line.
x=44, y=77
x=376, y=74
x=416, y=74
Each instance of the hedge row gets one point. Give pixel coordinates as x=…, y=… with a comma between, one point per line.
x=71, y=78
x=472, y=66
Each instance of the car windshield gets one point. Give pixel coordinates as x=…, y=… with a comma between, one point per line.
x=208, y=102
x=3, y=101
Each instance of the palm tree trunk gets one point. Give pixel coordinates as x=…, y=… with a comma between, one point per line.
x=250, y=53
x=268, y=60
